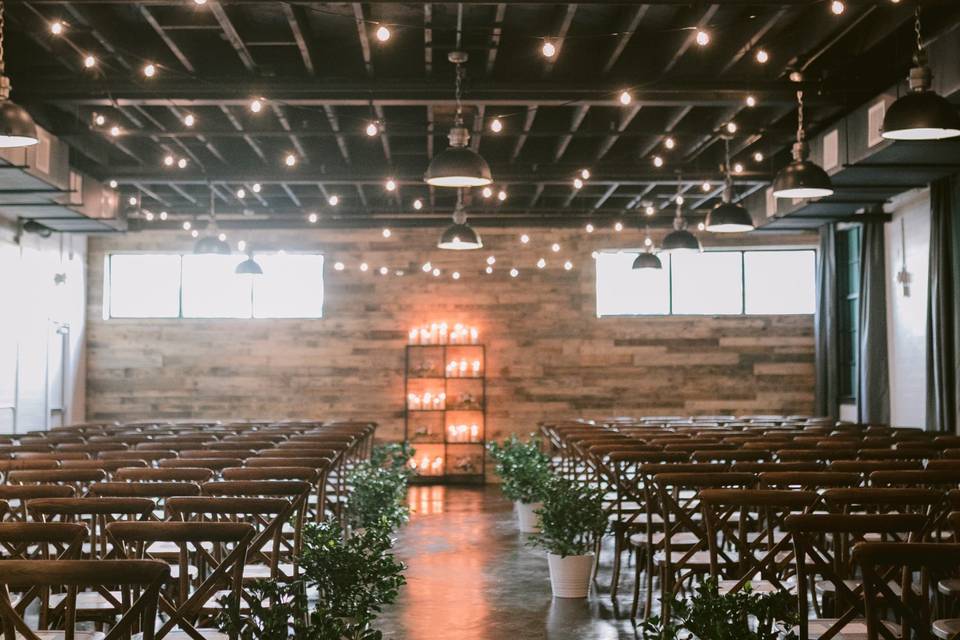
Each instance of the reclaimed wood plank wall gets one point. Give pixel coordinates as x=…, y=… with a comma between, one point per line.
x=549, y=356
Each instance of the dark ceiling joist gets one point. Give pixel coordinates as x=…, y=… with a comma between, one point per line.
x=680, y=3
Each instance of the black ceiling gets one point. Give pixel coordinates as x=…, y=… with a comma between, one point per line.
x=325, y=76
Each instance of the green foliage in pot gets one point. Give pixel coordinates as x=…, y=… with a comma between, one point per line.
x=277, y=611
x=394, y=456
x=378, y=497
x=354, y=578
x=572, y=519
x=710, y=615
x=522, y=467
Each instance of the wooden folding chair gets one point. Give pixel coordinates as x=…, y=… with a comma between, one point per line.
x=140, y=581
x=17, y=495
x=175, y=474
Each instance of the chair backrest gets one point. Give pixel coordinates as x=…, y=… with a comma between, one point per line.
x=180, y=474
x=17, y=495
x=96, y=513
x=141, y=577
x=79, y=479
x=808, y=480
x=221, y=563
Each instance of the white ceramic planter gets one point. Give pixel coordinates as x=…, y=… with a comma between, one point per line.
x=526, y=514
x=570, y=577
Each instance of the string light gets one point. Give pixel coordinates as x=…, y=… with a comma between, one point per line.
x=163, y=216
x=384, y=271
x=488, y=270
x=649, y=210
x=435, y=272
x=312, y=218
x=186, y=225
x=256, y=187
x=455, y=275
x=256, y=105
x=758, y=156
x=290, y=160
x=703, y=38
x=383, y=33
x=391, y=184
x=427, y=267
x=679, y=200
x=567, y=266
x=491, y=260
x=738, y=168
x=618, y=226
x=502, y=195
x=701, y=227
x=114, y=131
x=418, y=204
x=496, y=126
x=364, y=266
x=657, y=161
x=199, y=3
x=241, y=245
x=514, y=273
x=189, y=120
x=837, y=7
x=168, y=160
x=113, y=184
x=731, y=127
x=194, y=233
x=149, y=70
x=585, y=174
x=589, y=227
x=338, y=266
x=386, y=233
x=241, y=193
x=625, y=98
x=99, y=119
x=182, y=163
x=487, y=192
x=577, y=183
x=132, y=201
x=57, y=27
x=89, y=61
x=524, y=239
x=669, y=143
x=751, y=101
x=705, y=187
x=647, y=242
x=148, y=216
x=372, y=129
x=762, y=56
x=541, y=263
x=333, y=200
x=555, y=247
x=222, y=237
x=548, y=49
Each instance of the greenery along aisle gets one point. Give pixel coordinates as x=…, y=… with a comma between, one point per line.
x=350, y=573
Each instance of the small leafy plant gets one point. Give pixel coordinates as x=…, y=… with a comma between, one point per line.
x=354, y=578
x=572, y=519
x=522, y=467
x=393, y=456
x=743, y=615
x=277, y=612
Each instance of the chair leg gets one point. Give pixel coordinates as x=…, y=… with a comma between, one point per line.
x=638, y=568
x=618, y=536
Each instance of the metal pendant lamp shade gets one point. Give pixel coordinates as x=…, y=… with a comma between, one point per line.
x=802, y=178
x=921, y=114
x=681, y=241
x=211, y=245
x=458, y=166
x=16, y=126
x=728, y=216
x=249, y=267
x=460, y=236
x=647, y=260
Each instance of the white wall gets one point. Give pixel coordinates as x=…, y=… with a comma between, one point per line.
x=41, y=330
x=907, y=314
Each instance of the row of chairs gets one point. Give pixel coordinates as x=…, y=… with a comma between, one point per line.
x=181, y=519
x=714, y=507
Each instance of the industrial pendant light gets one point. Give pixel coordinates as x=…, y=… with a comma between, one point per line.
x=921, y=114
x=728, y=217
x=458, y=165
x=211, y=243
x=680, y=240
x=460, y=236
x=802, y=178
x=249, y=267
x=647, y=259
x=16, y=126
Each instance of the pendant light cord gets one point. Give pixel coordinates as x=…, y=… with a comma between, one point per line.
x=3, y=25
x=916, y=29
x=458, y=90
x=801, y=134
x=728, y=177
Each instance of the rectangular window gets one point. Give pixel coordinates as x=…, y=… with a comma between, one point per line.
x=848, y=285
x=206, y=286
x=774, y=282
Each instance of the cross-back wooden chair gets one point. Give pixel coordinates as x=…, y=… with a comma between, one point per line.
x=79, y=479
x=807, y=480
x=823, y=545
x=213, y=464
x=316, y=501
x=140, y=581
x=215, y=551
x=912, y=605
x=179, y=474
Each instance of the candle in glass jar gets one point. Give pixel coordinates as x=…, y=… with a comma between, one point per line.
x=473, y=335
x=443, y=333
x=474, y=431
x=463, y=367
x=476, y=367
x=414, y=335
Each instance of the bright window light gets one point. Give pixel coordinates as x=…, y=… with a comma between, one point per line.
x=144, y=286
x=707, y=283
x=780, y=282
x=625, y=291
x=291, y=286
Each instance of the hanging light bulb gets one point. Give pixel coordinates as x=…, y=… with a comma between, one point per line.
x=585, y=174
x=496, y=125
x=189, y=120
x=114, y=131
x=168, y=160
x=386, y=233
x=487, y=192
x=491, y=260
x=802, y=178
x=455, y=275
x=338, y=266
x=837, y=7
x=524, y=239
x=567, y=266
x=458, y=165
x=241, y=193
x=657, y=161
x=555, y=247
x=589, y=227
x=256, y=105
x=256, y=187
x=333, y=200
x=728, y=217
x=163, y=215
x=313, y=218
x=514, y=272
x=149, y=70
x=460, y=236
x=488, y=270
x=418, y=204
x=921, y=114
x=758, y=156
x=364, y=266
x=182, y=163
x=680, y=240
x=649, y=210
x=436, y=272
x=625, y=98
x=669, y=142
x=427, y=267
x=731, y=128
x=703, y=38
x=148, y=216
x=57, y=27
x=548, y=49
x=618, y=226
x=99, y=119
x=541, y=263
x=502, y=195
x=16, y=126
x=186, y=225
x=762, y=56
x=751, y=101
x=705, y=187
x=372, y=129
x=290, y=160
x=390, y=185
x=89, y=61
x=383, y=33
x=577, y=183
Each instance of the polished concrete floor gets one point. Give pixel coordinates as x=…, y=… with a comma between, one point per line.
x=472, y=576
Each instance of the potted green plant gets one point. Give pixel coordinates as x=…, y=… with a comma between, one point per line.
x=741, y=615
x=572, y=521
x=378, y=497
x=524, y=471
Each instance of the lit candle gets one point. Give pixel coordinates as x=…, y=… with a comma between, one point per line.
x=427, y=400
x=474, y=431
x=474, y=335
x=442, y=401
x=424, y=336
x=414, y=334
x=463, y=367
x=434, y=329
x=443, y=333
x=476, y=367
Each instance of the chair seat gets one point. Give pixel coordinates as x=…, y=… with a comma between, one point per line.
x=262, y=571
x=947, y=628
x=758, y=586
x=172, y=549
x=825, y=586
x=697, y=560
x=854, y=630
x=88, y=601
x=949, y=586
x=683, y=540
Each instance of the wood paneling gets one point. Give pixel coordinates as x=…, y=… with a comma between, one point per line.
x=548, y=353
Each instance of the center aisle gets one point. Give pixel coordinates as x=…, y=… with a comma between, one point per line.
x=471, y=576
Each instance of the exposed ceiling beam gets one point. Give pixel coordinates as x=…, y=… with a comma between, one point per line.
x=626, y=34
x=167, y=40
x=570, y=10
x=528, y=119
x=495, y=35
x=233, y=37
x=300, y=28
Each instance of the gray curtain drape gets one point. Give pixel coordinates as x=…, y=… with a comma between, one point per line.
x=826, y=325
x=943, y=317
x=873, y=399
